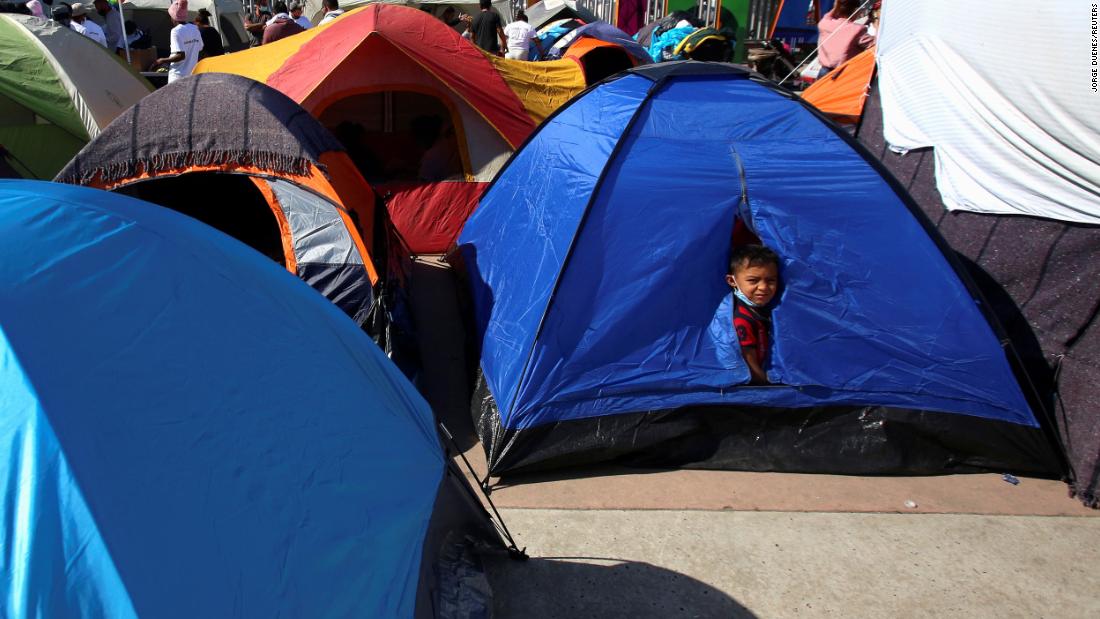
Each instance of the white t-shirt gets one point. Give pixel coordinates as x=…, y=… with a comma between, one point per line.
x=331, y=15
x=185, y=38
x=91, y=30
x=519, y=35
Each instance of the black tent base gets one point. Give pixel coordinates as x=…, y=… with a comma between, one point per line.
x=842, y=440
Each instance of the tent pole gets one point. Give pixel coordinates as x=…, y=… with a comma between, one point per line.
x=514, y=550
x=814, y=53
x=122, y=23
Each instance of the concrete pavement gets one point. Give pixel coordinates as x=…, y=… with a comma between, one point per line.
x=666, y=563
x=616, y=542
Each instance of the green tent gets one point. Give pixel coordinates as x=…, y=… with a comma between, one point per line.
x=57, y=90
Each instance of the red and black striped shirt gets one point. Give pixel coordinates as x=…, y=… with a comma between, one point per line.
x=752, y=326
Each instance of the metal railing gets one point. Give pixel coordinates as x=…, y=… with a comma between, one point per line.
x=761, y=16
x=654, y=10
x=708, y=13
x=604, y=10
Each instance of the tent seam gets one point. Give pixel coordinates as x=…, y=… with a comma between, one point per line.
x=576, y=235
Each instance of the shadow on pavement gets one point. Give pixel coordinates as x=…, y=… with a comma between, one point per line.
x=599, y=587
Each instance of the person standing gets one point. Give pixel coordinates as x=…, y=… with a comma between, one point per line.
x=255, y=21
x=211, y=38
x=520, y=34
x=136, y=39
x=486, y=29
x=839, y=38
x=281, y=25
x=459, y=22
x=112, y=25
x=35, y=7
x=87, y=28
x=296, y=15
x=186, y=41
x=332, y=11
x=63, y=14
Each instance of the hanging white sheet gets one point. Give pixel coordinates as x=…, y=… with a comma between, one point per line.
x=1006, y=92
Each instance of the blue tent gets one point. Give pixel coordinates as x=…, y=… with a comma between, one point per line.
x=596, y=263
x=191, y=431
x=604, y=32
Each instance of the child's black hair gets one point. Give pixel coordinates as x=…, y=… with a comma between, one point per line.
x=752, y=256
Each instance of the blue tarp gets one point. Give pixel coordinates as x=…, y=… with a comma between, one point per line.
x=792, y=23
x=662, y=47
x=548, y=37
x=188, y=430
x=598, y=273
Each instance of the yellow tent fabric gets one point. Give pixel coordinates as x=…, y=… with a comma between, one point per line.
x=542, y=86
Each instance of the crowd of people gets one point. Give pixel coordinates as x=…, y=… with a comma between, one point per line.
x=266, y=24
x=841, y=34
x=488, y=31
x=75, y=16
x=190, y=39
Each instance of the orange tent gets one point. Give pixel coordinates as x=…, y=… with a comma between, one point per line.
x=599, y=58
x=428, y=118
x=840, y=94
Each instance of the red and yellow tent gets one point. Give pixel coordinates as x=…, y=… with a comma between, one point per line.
x=840, y=94
x=428, y=117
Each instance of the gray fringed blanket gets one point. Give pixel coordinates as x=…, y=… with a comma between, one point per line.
x=206, y=119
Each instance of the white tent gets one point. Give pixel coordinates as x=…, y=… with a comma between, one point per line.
x=1007, y=97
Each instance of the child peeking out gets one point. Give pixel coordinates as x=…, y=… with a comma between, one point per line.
x=754, y=277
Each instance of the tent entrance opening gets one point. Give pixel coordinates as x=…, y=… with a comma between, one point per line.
x=397, y=136
x=229, y=202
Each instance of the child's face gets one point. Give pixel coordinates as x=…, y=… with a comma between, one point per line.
x=757, y=282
